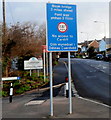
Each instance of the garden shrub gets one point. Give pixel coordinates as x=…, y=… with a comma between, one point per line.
x=26, y=83
x=19, y=91
x=16, y=84
x=4, y=93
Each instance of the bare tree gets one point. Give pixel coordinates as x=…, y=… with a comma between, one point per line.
x=20, y=40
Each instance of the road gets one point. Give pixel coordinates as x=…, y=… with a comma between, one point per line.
x=36, y=104
x=91, y=79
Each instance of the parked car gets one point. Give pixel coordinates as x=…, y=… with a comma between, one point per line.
x=85, y=56
x=107, y=57
x=99, y=57
x=72, y=56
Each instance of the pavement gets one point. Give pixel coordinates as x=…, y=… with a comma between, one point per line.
x=36, y=104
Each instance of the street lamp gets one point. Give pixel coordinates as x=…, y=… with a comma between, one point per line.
x=104, y=27
x=104, y=32
x=86, y=42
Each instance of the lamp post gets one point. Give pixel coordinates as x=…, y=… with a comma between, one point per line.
x=104, y=32
x=86, y=54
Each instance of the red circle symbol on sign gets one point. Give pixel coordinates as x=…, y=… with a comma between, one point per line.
x=62, y=27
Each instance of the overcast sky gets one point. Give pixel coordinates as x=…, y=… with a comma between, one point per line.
x=87, y=13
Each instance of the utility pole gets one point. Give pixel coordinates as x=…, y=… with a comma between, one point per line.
x=4, y=20
x=4, y=30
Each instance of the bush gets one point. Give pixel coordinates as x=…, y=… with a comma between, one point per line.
x=26, y=87
x=4, y=93
x=19, y=91
x=26, y=74
x=26, y=83
x=5, y=85
x=34, y=76
x=55, y=62
x=79, y=56
x=16, y=84
x=16, y=73
x=34, y=86
x=29, y=82
x=22, y=89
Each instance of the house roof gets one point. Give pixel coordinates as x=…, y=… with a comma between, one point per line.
x=108, y=40
x=86, y=43
x=94, y=43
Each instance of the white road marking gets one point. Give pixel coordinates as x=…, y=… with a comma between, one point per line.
x=65, y=65
x=104, y=67
x=76, y=95
x=35, y=102
x=97, y=68
x=90, y=76
x=95, y=102
x=93, y=71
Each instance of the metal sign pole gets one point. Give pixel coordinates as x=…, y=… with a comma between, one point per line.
x=61, y=27
x=69, y=76
x=51, y=84
x=47, y=62
x=44, y=65
x=30, y=72
x=38, y=73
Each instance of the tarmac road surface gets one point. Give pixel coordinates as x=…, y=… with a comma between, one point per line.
x=92, y=79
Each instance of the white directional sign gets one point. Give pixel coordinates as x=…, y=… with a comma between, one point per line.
x=10, y=78
x=33, y=63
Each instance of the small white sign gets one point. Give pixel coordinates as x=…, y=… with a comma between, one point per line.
x=10, y=78
x=33, y=63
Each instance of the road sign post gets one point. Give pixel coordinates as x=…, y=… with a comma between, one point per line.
x=47, y=62
x=51, y=86
x=38, y=73
x=44, y=65
x=61, y=36
x=69, y=80
x=30, y=72
x=45, y=57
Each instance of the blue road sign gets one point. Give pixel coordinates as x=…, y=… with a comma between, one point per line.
x=61, y=27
